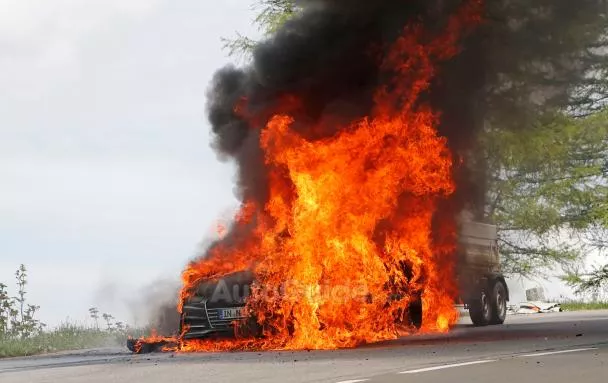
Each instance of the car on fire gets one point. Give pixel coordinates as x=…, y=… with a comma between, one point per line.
x=216, y=306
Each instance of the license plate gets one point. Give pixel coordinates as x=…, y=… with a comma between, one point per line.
x=231, y=313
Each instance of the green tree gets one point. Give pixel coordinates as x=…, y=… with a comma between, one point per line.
x=271, y=14
x=593, y=281
x=544, y=143
x=548, y=190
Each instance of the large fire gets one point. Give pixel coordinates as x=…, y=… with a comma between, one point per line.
x=348, y=223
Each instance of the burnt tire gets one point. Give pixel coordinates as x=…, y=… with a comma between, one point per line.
x=415, y=313
x=480, y=309
x=499, y=303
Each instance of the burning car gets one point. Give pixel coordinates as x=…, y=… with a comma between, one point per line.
x=350, y=181
x=218, y=305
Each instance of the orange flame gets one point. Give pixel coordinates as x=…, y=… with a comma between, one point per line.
x=348, y=222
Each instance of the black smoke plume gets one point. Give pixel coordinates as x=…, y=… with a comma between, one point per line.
x=522, y=59
x=327, y=57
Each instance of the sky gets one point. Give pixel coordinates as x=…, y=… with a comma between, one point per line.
x=107, y=179
x=108, y=184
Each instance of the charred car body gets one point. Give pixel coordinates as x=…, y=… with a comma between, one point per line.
x=216, y=306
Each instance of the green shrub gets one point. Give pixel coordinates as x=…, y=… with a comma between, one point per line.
x=580, y=305
x=22, y=334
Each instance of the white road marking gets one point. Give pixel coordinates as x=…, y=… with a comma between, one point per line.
x=557, y=352
x=447, y=366
x=353, y=381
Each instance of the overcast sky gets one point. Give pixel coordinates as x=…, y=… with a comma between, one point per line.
x=107, y=180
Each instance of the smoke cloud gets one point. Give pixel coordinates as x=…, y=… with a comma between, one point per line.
x=522, y=59
x=322, y=68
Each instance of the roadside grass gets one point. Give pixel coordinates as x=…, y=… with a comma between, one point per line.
x=580, y=306
x=22, y=334
x=65, y=337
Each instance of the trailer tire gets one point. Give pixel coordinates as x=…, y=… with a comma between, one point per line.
x=480, y=309
x=499, y=303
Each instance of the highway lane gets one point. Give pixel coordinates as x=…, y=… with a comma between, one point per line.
x=496, y=353
x=586, y=364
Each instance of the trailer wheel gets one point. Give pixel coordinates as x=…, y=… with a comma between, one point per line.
x=499, y=303
x=480, y=309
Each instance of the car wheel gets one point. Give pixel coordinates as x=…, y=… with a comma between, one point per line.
x=415, y=313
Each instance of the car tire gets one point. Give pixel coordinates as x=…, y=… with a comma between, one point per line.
x=415, y=313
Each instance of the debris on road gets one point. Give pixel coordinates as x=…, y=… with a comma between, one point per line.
x=538, y=308
x=137, y=346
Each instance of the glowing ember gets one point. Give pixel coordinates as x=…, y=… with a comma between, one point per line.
x=347, y=226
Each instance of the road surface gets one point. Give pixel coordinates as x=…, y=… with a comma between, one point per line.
x=558, y=347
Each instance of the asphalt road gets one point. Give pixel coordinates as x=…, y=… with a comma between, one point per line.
x=559, y=347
